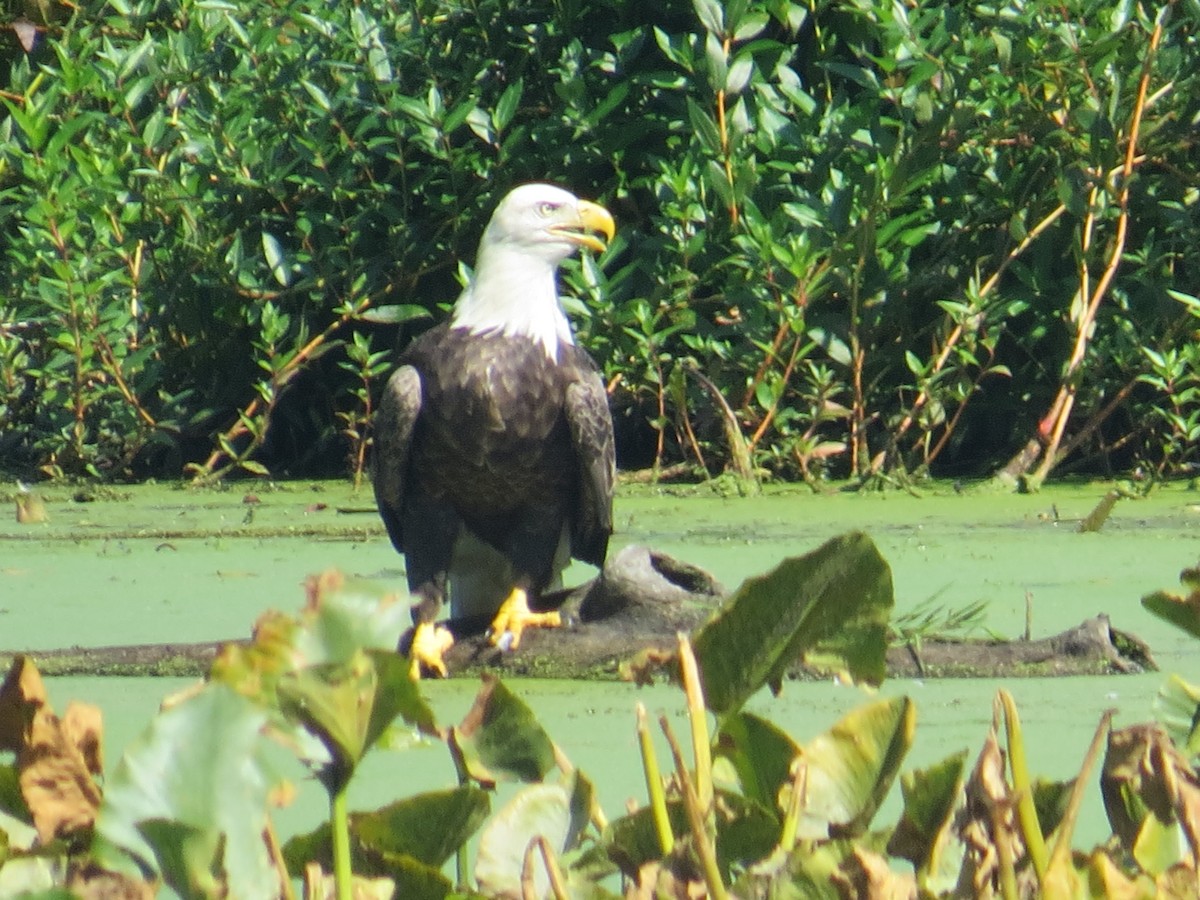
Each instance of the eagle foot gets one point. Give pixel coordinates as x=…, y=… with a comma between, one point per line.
x=514, y=616
x=429, y=644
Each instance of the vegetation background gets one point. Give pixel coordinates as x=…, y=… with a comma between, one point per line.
x=857, y=238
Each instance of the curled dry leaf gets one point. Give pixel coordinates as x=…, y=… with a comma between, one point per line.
x=1142, y=762
x=987, y=819
x=56, y=758
x=867, y=876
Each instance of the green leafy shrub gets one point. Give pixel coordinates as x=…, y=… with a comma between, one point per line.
x=892, y=237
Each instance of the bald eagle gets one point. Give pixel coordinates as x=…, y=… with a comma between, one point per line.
x=494, y=461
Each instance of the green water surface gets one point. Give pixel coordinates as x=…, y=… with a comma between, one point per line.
x=163, y=563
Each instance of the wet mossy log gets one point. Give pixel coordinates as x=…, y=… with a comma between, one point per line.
x=643, y=600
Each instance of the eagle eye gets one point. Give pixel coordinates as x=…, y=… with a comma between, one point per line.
x=545, y=209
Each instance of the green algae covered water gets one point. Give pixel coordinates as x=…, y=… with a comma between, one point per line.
x=163, y=563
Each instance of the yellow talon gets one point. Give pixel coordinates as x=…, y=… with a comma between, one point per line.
x=429, y=645
x=514, y=616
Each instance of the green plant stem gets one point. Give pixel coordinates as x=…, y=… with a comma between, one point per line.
x=339, y=821
x=791, y=819
x=1061, y=854
x=1008, y=872
x=654, y=784
x=704, y=844
x=1031, y=829
x=698, y=719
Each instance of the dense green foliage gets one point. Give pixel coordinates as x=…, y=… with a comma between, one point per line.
x=893, y=237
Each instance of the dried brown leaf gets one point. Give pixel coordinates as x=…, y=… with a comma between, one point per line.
x=55, y=780
x=83, y=727
x=91, y=882
x=987, y=818
x=21, y=695
x=868, y=876
x=55, y=761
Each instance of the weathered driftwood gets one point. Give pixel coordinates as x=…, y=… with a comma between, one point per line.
x=642, y=600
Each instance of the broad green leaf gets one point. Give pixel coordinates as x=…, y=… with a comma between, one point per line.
x=924, y=835
x=190, y=857
x=850, y=768
x=747, y=831
x=273, y=252
x=343, y=616
x=404, y=826
x=501, y=739
x=537, y=810
x=704, y=127
x=506, y=106
x=334, y=702
x=382, y=838
x=761, y=753
x=632, y=840
x=348, y=705
x=739, y=73
x=829, y=609
x=751, y=26
x=1178, y=708
x=200, y=764
x=711, y=16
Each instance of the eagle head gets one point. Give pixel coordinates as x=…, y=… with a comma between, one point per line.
x=514, y=290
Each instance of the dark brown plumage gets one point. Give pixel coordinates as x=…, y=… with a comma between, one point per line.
x=494, y=445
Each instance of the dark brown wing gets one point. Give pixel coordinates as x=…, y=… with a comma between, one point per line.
x=591, y=427
x=393, y=433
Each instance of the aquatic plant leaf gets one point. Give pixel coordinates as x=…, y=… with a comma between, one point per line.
x=761, y=753
x=199, y=764
x=829, y=608
x=1152, y=797
x=747, y=831
x=55, y=758
x=396, y=694
x=536, y=810
x=349, y=705
x=407, y=826
x=850, y=768
x=334, y=702
x=1182, y=612
x=866, y=875
x=411, y=835
x=189, y=857
x=341, y=616
x=632, y=840
x=1178, y=708
x=252, y=669
x=990, y=806
x=500, y=738
x=11, y=801
x=924, y=835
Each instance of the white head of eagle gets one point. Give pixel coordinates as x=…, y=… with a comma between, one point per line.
x=514, y=290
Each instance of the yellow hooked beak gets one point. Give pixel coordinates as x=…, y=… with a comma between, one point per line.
x=594, y=219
